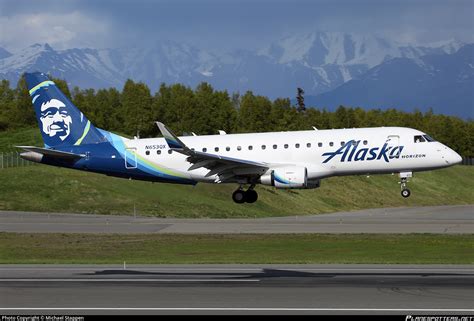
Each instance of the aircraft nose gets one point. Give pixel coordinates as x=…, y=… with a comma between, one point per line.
x=453, y=157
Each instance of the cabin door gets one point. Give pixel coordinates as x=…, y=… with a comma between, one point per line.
x=393, y=141
x=130, y=158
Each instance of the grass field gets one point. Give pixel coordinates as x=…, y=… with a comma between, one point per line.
x=244, y=248
x=50, y=189
x=20, y=137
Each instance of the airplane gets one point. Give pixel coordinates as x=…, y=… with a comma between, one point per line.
x=285, y=160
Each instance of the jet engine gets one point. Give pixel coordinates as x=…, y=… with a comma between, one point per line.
x=288, y=177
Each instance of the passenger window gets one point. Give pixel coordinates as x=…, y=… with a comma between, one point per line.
x=216, y=149
x=239, y=148
x=342, y=143
x=275, y=146
x=297, y=145
x=286, y=145
x=320, y=144
x=147, y=152
x=331, y=144
x=365, y=142
x=419, y=139
x=263, y=146
x=204, y=150
x=308, y=145
x=227, y=148
x=158, y=151
x=250, y=147
x=169, y=151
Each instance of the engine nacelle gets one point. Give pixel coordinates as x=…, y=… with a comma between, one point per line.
x=288, y=177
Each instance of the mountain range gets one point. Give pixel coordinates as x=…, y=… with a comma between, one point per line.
x=333, y=68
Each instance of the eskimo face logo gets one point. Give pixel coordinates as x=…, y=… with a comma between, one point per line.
x=55, y=119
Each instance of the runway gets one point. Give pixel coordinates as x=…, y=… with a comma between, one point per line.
x=439, y=219
x=242, y=289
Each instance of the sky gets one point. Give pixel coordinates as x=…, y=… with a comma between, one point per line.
x=224, y=25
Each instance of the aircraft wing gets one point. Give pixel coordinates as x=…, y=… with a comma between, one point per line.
x=51, y=152
x=224, y=167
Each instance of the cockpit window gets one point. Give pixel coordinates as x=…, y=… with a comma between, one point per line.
x=429, y=138
x=419, y=139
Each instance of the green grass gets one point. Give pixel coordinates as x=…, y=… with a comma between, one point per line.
x=20, y=137
x=50, y=189
x=242, y=248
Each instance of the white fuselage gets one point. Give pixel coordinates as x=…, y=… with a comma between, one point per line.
x=323, y=153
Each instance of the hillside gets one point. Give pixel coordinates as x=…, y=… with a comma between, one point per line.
x=19, y=137
x=49, y=189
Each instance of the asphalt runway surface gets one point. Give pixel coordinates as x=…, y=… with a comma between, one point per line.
x=439, y=219
x=237, y=289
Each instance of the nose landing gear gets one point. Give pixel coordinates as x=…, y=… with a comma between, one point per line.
x=405, y=192
x=249, y=196
x=403, y=183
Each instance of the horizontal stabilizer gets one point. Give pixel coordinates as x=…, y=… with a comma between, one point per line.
x=51, y=152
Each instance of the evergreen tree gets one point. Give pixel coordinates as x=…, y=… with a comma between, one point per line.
x=107, y=109
x=300, y=100
x=254, y=113
x=7, y=105
x=136, y=109
x=24, y=111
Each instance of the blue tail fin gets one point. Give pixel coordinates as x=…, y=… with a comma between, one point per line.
x=60, y=122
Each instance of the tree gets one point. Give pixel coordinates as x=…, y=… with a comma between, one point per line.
x=284, y=117
x=136, y=109
x=7, y=105
x=300, y=100
x=254, y=113
x=344, y=118
x=107, y=109
x=24, y=111
x=175, y=106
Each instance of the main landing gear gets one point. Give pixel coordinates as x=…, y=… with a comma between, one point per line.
x=249, y=196
x=403, y=184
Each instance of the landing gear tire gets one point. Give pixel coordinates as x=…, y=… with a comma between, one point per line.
x=239, y=196
x=251, y=196
x=406, y=192
x=403, y=184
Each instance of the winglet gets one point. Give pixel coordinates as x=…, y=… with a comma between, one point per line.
x=171, y=139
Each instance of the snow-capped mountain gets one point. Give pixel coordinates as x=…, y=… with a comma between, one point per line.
x=444, y=82
x=81, y=67
x=4, y=53
x=333, y=58
x=325, y=48
x=318, y=62
x=99, y=68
